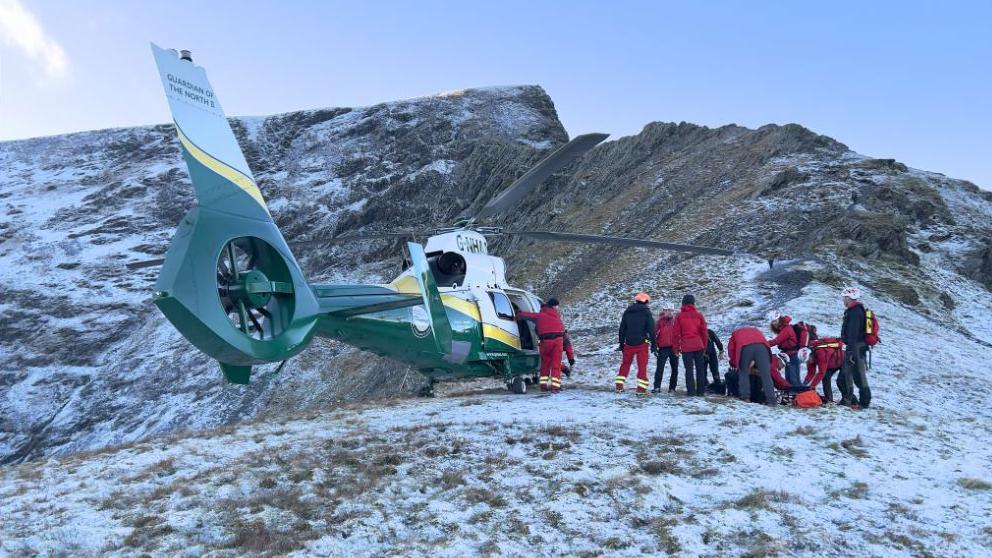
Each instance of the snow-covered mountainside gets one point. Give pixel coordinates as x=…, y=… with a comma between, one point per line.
x=87, y=363
x=477, y=472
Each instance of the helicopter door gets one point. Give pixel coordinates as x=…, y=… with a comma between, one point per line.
x=527, y=328
x=498, y=321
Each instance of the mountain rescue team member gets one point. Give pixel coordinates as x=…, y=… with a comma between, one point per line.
x=711, y=357
x=636, y=336
x=787, y=342
x=551, y=332
x=852, y=333
x=690, y=342
x=664, y=337
x=748, y=349
x=825, y=359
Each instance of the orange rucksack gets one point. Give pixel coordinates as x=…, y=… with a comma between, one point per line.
x=808, y=399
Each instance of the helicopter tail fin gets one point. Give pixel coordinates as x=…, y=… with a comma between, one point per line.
x=454, y=351
x=229, y=282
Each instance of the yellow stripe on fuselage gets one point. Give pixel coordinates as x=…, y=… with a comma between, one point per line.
x=408, y=284
x=493, y=332
x=237, y=177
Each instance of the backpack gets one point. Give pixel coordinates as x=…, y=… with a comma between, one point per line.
x=834, y=346
x=802, y=334
x=718, y=388
x=808, y=399
x=871, y=328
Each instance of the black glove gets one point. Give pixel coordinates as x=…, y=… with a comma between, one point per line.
x=571, y=362
x=621, y=347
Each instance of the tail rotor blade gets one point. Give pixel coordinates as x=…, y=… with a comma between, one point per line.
x=531, y=179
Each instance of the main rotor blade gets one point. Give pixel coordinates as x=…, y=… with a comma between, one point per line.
x=619, y=241
x=539, y=173
x=359, y=236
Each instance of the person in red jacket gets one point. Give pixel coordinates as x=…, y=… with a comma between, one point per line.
x=787, y=342
x=664, y=334
x=826, y=359
x=690, y=341
x=551, y=332
x=748, y=349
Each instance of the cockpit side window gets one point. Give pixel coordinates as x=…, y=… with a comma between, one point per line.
x=502, y=305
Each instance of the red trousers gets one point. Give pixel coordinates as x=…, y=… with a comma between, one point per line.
x=551, y=350
x=629, y=352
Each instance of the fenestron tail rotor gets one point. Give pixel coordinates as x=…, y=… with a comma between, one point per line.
x=254, y=302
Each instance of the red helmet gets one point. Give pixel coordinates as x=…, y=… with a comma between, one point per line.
x=642, y=297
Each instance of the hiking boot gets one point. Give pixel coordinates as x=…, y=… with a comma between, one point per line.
x=671, y=391
x=555, y=390
x=641, y=391
x=544, y=387
x=619, y=388
x=656, y=390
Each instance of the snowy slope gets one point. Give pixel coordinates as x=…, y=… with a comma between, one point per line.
x=586, y=473
x=86, y=361
x=292, y=464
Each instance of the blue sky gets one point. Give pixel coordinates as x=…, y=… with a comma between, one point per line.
x=908, y=80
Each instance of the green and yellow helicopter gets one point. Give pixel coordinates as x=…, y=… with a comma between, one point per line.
x=231, y=286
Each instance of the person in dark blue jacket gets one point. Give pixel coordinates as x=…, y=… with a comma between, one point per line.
x=852, y=333
x=712, y=357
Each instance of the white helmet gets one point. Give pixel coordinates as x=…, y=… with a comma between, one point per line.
x=853, y=293
x=669, y=306
x=773, y=315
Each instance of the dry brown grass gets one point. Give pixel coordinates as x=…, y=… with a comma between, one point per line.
x=974, y=484
x=255, y=536
x=477, y=495
x=452, y=478
x=657, y=467
x=760, y=499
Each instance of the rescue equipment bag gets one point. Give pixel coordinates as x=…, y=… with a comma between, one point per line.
x=808, y=399
x=833, y=347
x=871, y=328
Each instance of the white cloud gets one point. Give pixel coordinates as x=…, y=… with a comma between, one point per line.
x=20, y=29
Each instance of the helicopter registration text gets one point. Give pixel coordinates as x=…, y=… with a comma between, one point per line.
x=471, y=244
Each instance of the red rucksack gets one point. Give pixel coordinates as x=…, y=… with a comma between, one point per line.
x=835, y=348
x=871, y=328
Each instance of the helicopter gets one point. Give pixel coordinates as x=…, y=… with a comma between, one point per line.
x=229, y=282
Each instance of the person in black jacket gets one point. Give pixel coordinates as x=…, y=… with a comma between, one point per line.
x=711, y=357
x=852, y=333
x=636, y=336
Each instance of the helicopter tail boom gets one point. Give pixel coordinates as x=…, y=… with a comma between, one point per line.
x=229, y=282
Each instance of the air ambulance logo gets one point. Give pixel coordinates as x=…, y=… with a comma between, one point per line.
x=420, y=322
